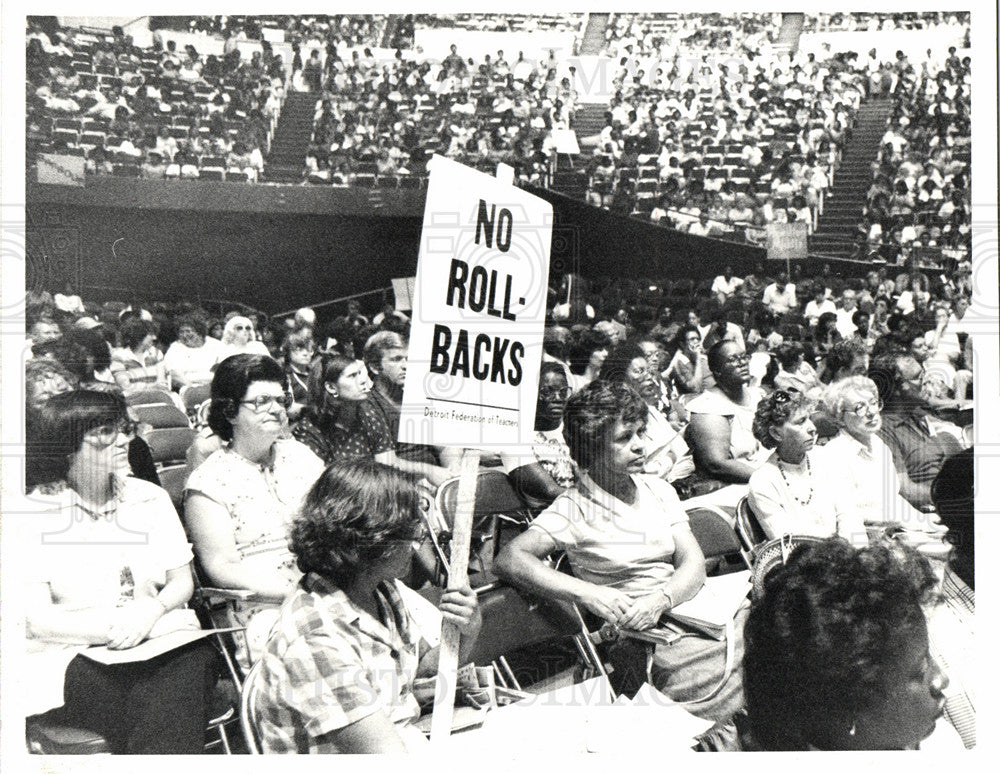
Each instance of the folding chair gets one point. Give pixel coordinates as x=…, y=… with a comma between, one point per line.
x=717, y=540
x=159, y=415
x=515, y=623
x=749, y=530
x=170, y=444
x=248, y=710
x=499, y=514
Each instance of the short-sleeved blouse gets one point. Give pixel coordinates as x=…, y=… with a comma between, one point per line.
x=261, y=501
x=611, y=543
x=95, y=559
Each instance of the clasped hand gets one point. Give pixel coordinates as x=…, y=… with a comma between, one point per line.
x=622, y=610
x=132, y=622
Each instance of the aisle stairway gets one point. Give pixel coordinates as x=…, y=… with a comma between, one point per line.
x=587, y=121
x=593, y=37
x=790, y=31
x=845, y=201
x=286, y=161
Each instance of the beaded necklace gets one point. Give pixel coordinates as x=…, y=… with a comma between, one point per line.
x=788, y=484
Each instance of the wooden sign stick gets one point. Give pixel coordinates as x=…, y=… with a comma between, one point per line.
x=461, y=537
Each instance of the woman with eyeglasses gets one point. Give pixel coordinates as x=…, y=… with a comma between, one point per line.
x=721, y=429
x=793, y=492
x=338, y=670
x=239, y=338
x=867, y=479
x=239, y=502
x=298, y=350
x=544, y=469
x=107, y=563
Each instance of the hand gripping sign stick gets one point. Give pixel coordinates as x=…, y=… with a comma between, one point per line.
x=444, y=692
x=458, y=575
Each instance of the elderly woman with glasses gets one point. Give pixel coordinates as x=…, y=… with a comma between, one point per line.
x=868, y=481
x=794, y=491
x=239, y=502
x=239, y=337
x=106, y=563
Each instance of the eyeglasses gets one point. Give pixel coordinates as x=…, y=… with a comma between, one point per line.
x=861, y=409
x=781, y=397
x=738, y=359
x=549, y=393
x=262, y=402
x=106, y=435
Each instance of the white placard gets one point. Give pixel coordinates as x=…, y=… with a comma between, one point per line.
x=478, y=312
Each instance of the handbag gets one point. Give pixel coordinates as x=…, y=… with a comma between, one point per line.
x=774, y=552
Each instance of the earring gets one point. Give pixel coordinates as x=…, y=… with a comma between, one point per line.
x=854, y=728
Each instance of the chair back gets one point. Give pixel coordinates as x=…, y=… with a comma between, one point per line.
x=161, y=415
x=248, y=710
x=193, y=395
x=750, y=532
x=172, y=479
x=715, y=537
x=499, y=513
x=170, y=444
x=151, y=397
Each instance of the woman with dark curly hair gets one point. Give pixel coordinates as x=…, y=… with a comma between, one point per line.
x=633, y=555
x=339, y=665
x=239, y=502
x=793, y=492
x=837, y=652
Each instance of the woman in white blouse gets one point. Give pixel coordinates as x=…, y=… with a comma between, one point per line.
x=794, y=491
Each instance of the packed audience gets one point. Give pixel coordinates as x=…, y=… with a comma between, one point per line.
x=752, y=388
x=719, y=139
x=155, y=113
x=384, y=120
x=920, y=197
x=833, y=409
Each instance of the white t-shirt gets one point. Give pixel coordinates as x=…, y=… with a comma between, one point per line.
x=610, y=543
x=188, y=365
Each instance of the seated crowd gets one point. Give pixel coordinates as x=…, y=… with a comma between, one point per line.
x=384, y=120
x=654, y=396
x=920, y=197
x=156, y=112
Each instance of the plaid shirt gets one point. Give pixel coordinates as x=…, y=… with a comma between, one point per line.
x=329, y=664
